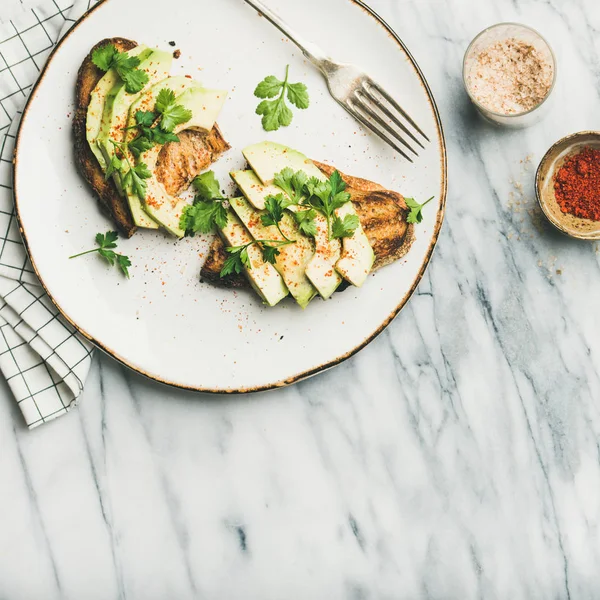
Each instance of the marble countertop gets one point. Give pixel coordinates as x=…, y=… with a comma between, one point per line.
x=457, y=456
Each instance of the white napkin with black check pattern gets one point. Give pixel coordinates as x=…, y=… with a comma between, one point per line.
x=41, y=356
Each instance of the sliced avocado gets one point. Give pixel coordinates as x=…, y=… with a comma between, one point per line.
x=98, y=99
x=163, y=208
x=118, y=101
x=263, y=276
x=357, y=257
x=269, y=158
x=253, y=189
x=147, y=102
x=292, y=259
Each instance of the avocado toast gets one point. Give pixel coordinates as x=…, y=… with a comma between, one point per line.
x=175, y=163
x=383, y=218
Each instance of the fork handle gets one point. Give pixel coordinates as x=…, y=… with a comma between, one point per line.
x=310, y=50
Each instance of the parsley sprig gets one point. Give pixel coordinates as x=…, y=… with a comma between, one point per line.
x=238, y=255
x=315, y=196
x=106, y=244
x=276, y=113
x=274, y=207
x=208, y=209
x=133, y=177
x=415, y=215
x=108, y=57
x=157, y=126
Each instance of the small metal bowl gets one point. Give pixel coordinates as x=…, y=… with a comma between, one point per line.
x=583, y=229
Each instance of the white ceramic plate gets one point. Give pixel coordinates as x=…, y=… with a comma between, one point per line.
x=164, y=322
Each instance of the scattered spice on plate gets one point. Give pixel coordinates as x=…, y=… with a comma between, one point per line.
x=577, y=184
x=510, y=77
x=176, y=54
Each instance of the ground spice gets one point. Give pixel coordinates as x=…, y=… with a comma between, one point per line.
x=577, y=185
x=510, y=77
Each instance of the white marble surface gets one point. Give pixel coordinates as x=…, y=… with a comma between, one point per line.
x=457, y=456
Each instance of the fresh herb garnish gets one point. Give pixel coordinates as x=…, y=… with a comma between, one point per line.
x=415, y=215
x=306, y=221
x=238, y=255
x=108, y=57
x=316, y=195
x=106, y=244
x=133, y=178
x=292, y=183
x=208, y=209
x=171, y=113
x=156, y=127
x=276, y=113
x=274, y=207
x=342, y=228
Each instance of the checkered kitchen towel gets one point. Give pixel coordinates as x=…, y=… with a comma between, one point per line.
x=41, y=356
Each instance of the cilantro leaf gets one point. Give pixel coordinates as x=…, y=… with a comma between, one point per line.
x=208, y=209
x=270, y=253
x=345, y=227
x=172, y=114
x=145, y=117
x=298, y=95
x=165, y=98
x=139, y=145
x=133, y=180
x=337, y=183
x=292, y=184
x=124, y=264
x=108, y=57
x=415, y=215
x=104, y=56
x=162, y=137
x=115, y=165
x=274, y=208
x=236, y=261
x=106, y=242
x=276, y=113
x=269, y=87
x=207, y=186
x=306, y=221
x=202, y=217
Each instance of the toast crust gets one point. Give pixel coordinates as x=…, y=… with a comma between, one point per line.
x=114, y=205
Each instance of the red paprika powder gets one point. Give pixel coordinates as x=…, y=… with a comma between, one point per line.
x=577, y=185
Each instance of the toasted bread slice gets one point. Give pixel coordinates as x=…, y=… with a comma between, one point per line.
x=178, y=162
x=112, y=203
x=382, y=214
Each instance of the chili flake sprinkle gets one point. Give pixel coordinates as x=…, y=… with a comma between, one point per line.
x=577, y=184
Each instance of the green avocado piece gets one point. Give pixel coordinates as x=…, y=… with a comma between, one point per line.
x=253, y=189
x=269, y=158
x=263, y=276
x=356, y=259
x=292, y=259
x=165, y=209
x=118, y=101
x=98, y=99
x=147, y=102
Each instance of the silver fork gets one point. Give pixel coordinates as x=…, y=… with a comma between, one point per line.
x=362, y=97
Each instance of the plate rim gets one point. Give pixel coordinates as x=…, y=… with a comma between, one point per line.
x=305, y=374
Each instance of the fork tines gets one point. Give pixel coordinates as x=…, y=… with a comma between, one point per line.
x=380, y=113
